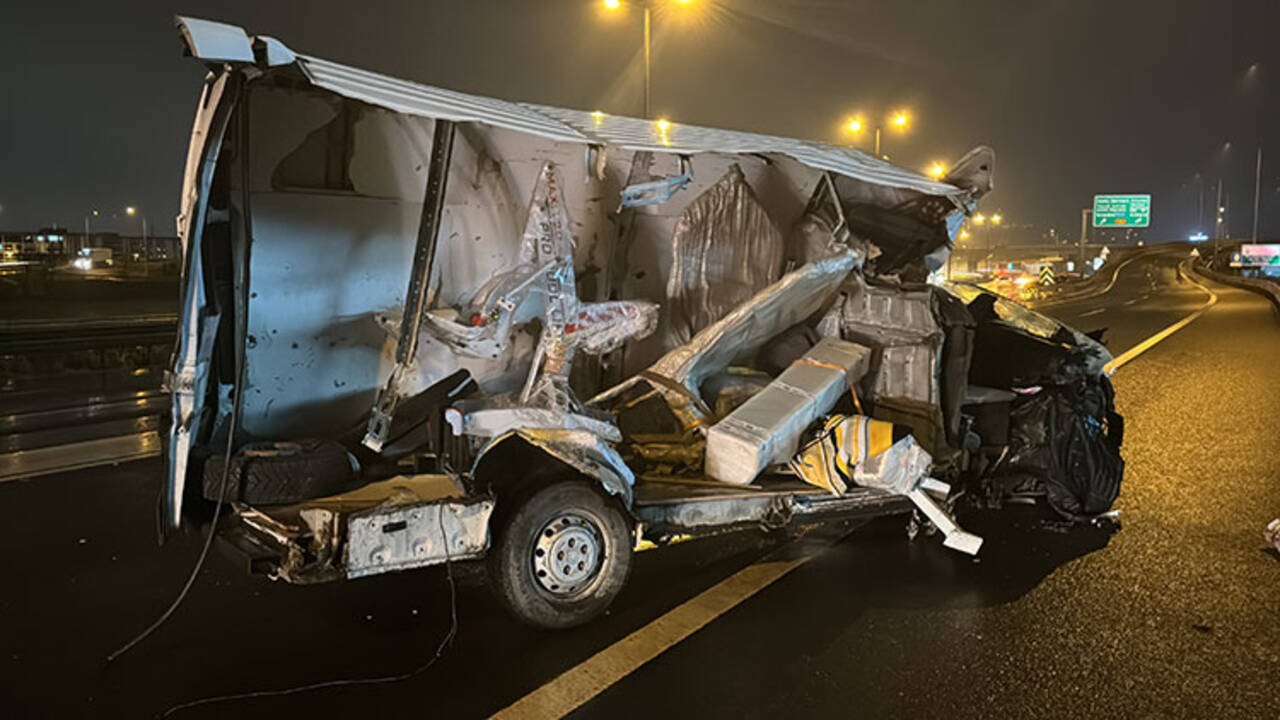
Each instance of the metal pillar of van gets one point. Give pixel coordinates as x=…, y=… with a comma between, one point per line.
x=417, y=297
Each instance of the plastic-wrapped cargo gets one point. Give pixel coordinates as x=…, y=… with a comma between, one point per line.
x=725, y=249
x=766, y=429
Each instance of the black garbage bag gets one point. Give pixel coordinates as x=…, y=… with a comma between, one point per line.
x=1069, y=439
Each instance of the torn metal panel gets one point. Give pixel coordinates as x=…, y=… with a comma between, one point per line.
x=763, y=509
x=581, y=450
x=214, y=41
x=656, y=192
x=410, y=536
x=953, y=536
x=191, y=363
x=493, y=422
x=823, y=230
x=769, y=510
x=975, y=172
x=724, y=249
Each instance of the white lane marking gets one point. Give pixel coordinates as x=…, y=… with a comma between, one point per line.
x=579, y=684
x=1150, y=342
x=1092, y=312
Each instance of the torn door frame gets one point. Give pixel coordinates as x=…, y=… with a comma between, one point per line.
x=192, y=355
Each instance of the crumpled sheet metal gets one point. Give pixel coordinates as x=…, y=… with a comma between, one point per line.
x=492, y=422
x=724, y=249
x=582, y=450
x=402, y=537
x=794, y=297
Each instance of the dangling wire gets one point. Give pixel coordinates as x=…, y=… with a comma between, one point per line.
x=445, y=642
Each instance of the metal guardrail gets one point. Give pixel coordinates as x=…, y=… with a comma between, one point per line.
x=18, y=336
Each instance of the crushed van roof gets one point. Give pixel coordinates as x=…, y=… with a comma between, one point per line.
x=232, y=44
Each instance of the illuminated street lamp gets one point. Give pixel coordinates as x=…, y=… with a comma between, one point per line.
x=937, y=170
x=91, y=213
x=647, y=5
x=899, y=121
x=132, y=211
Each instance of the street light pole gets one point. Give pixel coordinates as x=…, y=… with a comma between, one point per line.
x=1257, y=187
x=647, y=53
x=1084, y=234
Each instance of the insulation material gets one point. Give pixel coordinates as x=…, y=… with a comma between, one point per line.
x=766, y=429
x=907, y=371
x=599, y=328
x=898, y=470
x=901, y=324
x=724, y=250
x=829, y=460
x=795, y=297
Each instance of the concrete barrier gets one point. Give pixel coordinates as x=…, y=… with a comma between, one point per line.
x=1266, y=288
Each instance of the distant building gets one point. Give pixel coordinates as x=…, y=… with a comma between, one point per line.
x=55, y=245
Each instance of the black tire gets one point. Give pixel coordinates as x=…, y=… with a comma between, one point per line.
x=279, y=473
x=550, y=519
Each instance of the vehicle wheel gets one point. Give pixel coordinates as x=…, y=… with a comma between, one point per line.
x=560, y=555
x=276, y=473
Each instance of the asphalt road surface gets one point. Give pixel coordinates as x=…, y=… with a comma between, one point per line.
x=1177, y=615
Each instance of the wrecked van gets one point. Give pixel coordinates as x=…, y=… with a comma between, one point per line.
x=420, y=326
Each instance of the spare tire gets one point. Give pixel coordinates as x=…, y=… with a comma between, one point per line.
x=278, y=473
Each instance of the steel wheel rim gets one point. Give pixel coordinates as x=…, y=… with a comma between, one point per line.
x=568, y=554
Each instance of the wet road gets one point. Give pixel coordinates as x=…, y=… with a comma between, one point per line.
x=1177, y=615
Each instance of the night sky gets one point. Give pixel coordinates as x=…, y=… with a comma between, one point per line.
x=1077, y=97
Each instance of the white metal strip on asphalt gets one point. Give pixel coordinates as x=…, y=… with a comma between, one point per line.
x=579, y=684
x=1150, y=342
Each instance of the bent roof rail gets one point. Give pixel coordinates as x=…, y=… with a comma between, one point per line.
x=218, y=42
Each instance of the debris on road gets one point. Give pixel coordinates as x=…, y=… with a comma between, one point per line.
x=1271, y=533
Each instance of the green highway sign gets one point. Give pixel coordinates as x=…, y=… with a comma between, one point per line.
x=1121, y=210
